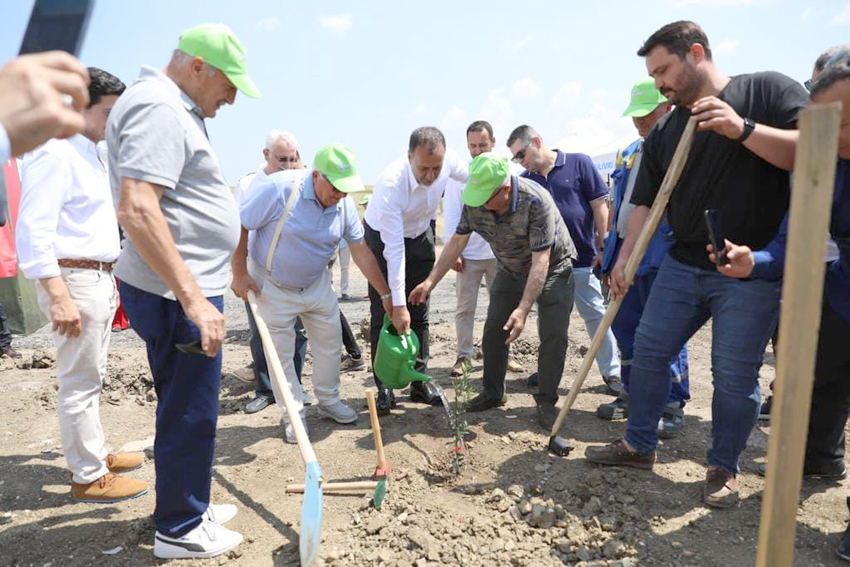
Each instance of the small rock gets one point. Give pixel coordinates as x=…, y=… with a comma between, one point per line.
x=376, y=524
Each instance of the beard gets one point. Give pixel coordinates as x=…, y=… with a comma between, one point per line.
x=688, y=86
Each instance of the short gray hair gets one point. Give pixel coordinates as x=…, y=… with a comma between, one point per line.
x=824, y=57
x=428, y=137
x=182, y=59
x=524, y=133
x=281, y=135
x=838, y=70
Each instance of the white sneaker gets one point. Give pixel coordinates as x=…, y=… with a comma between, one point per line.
x=289, y=431
x=220, y=513
x=338, y=411
x=207, y=540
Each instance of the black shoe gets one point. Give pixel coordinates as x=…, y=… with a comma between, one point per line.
x=259, y=403
x=614, y=383
x=672, y=422
x=385, y=402
x=832, y=472
x=843, y=549
x=764, y=412
x=532, y=381
x=482, y=402
x=618, y=409
x=425, y=393
x=547, y=413
x=10, y=352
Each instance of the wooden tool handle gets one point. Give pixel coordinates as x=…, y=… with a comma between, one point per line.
x=362, y=486
x=671, y=178
x=376, y=427
x=279, y=379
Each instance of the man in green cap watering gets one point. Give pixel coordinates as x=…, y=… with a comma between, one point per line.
x=519, y=220
x=296, y=219
x=646, y=107
x=181, y=226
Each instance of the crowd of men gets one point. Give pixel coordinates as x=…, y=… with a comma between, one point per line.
x=536, y=226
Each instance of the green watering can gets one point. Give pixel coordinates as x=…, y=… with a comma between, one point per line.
x=396, y=357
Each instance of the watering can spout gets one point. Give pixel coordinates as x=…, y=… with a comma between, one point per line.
x=411, y=375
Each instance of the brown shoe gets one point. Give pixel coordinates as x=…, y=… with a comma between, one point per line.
x=721, y=488
x=10, y=352
x=107, y=489
x=514, y=366
x=618, y=454
x=461, y=364
x=124, y=462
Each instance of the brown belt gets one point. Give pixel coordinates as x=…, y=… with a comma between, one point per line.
x=87, y=264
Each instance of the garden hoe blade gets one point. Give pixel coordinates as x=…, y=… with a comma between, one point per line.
x=378, y=495
x=311, y=515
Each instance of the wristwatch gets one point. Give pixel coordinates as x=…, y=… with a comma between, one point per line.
x=749, y=126
x=386, y=295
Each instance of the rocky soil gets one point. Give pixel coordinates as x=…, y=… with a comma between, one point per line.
x=512, y=504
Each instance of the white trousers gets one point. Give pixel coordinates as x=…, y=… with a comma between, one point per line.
x=344, y=269
x=467, y=284
x=317, y=306
x=80, y=368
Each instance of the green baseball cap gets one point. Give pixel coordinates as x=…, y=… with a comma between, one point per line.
x=339, y=165
x=487, y=172
x=645, y=98
x=221, y=49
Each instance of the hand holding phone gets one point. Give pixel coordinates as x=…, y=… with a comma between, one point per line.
x=715, y=233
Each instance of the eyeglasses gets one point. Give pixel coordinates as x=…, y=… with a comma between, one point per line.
x=520, y=155
x=842, y=54
x=293, y=159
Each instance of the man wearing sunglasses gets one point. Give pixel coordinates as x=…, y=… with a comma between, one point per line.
x=518, y=218
x=280, y=153
x=582, y=200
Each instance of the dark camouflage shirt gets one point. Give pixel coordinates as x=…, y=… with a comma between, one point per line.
x=532, y=223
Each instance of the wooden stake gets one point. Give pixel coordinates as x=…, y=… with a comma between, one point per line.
x=671, y=178
x=802, y=293
x=357, y=486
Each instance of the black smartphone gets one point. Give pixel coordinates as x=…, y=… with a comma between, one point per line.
x=53, y=24
x=57, y=24
x=715, y=233
x=193, y=348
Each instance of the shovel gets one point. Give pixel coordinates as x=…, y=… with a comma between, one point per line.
x=311, y=509
x=383, y=467
x=557, y=444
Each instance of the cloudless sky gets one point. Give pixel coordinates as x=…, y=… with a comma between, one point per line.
x=367, y=73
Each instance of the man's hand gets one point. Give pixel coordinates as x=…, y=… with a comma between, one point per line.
x=515, y=324
x=597, y=261
x=241, y=284
x=420, y=293
x=713, y=114
x=32, y=98
x=65, y=317
x=209, y=321
x=617, y=281
x=401, y=319
x=458, y=267
x=741, y=260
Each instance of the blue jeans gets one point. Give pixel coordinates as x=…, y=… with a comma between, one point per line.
x=591, y=306
x=625, y=325
x=743, y=314
x=187, y=388
x=263, y=385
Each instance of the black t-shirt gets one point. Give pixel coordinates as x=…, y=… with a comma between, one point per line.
x=751, y=194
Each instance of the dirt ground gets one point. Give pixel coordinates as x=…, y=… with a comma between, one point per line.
x=513, y=504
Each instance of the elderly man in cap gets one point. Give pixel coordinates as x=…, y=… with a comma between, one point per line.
x=181, y=226
x=647, y=106
x=298, y=218
x=519, y=220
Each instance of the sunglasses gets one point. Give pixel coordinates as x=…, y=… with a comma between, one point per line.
x=520, y=155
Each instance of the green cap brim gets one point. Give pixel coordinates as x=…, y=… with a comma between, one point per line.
x=475, y=196
x=640, y=110
x=349, y=184
x=244, y=83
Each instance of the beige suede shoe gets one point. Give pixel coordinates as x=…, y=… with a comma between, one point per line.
x=107, y=489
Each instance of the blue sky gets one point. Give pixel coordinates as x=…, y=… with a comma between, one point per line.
x=366, y=74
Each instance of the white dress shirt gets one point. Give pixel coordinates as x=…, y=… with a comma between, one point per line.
x=477, y=248
x=66, y=208
x=5, y=146
x=402, y=208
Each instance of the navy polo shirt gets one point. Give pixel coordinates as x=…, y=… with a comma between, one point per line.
x=573, y=184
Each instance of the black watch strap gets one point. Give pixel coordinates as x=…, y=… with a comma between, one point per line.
x=749, y=126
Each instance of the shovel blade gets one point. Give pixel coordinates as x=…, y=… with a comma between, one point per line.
x=378, y=495
x=311, y=515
